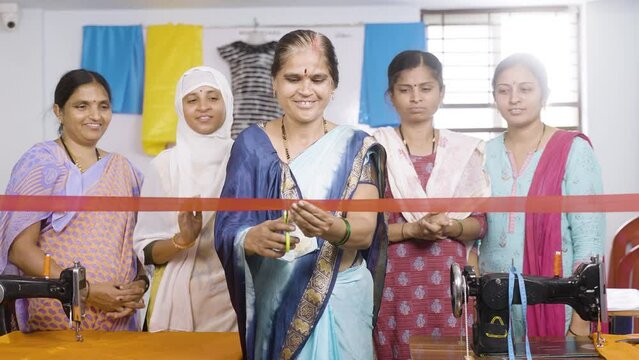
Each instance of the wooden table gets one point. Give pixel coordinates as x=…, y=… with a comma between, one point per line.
x=624, y=313
x=49, y=345
x=444, y=348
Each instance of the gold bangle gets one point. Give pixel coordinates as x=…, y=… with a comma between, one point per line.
x=402, y=231
x=180, y=246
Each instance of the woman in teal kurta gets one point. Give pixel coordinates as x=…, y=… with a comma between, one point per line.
x=512, y=158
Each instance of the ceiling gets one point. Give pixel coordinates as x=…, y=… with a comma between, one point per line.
x=164, y=4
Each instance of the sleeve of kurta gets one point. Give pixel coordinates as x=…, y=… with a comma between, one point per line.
x=154, y=225
x=583, y=177
x=38, y=172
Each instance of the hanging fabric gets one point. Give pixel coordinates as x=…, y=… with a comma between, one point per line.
x=171, y=50
x=381, y=43
x=117, y=53
x=251, y=81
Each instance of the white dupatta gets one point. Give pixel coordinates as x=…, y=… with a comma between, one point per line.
x=196, y=166
x=458, y=170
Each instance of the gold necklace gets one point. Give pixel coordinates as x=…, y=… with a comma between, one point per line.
x=288, y=156
x=432, y=151
x=543, y=131
x=74, y=161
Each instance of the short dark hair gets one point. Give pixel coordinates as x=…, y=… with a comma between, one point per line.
x=534, y=65
x=305, y=38
x=411, y=59
x=71, y=81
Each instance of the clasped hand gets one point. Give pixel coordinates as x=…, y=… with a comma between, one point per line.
x=431, y=227
x=117, y=300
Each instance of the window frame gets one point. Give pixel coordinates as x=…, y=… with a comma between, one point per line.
x=578, y=105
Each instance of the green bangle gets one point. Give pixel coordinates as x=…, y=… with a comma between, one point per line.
x=347, y=235
x=461, y=229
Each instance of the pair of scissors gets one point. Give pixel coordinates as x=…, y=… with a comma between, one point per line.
x=287, y=235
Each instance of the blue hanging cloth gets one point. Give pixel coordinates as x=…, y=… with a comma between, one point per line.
x=381, y=43
x=117, y=53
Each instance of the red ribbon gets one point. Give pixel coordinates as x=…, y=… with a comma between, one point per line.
x=568, y=204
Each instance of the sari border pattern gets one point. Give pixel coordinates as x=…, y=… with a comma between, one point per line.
x=316, y=293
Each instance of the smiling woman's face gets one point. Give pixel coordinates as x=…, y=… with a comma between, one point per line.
x=86, y=115
x=303, y=85
x=204, y=109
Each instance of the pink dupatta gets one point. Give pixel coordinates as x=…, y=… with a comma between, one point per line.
x=543, y=232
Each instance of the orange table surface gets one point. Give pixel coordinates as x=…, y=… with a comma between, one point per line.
x=49, y=345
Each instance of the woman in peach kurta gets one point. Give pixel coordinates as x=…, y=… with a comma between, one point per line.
x=101, y=241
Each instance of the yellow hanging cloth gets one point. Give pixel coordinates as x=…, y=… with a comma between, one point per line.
x=613, y=350
x=170, y=51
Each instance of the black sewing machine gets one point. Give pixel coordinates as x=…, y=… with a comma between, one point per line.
x=584, y=291
x=70, y=289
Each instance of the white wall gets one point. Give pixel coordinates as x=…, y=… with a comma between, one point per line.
x=612, y=82
x=48, y=43
x=21, y=90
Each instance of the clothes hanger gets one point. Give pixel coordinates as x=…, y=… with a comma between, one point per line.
x=255, y=37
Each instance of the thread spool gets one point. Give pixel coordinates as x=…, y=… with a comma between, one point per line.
x=557, y=264
x=46, y=270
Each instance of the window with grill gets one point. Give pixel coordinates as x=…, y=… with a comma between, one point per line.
x=470, y=44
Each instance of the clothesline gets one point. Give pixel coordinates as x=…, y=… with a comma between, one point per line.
x=286, y=26
x=278, y=26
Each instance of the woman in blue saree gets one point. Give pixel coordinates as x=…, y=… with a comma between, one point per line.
x=319, y=299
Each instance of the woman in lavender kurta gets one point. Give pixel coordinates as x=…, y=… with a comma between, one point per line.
x=527, y=160
x=101, y=241
x=424, y=162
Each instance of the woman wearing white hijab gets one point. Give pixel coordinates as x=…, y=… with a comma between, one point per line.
x=189, y=290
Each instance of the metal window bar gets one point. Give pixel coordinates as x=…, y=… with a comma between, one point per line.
x=448, y=27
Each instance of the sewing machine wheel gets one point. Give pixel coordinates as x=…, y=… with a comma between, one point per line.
x=457, y=285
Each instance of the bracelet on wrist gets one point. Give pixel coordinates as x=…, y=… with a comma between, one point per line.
x=144, y=278
x=347, y=234
x=180, y=246
x=461, y=229
x=402, y=232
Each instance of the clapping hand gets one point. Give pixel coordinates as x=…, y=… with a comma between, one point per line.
x=190, y=224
